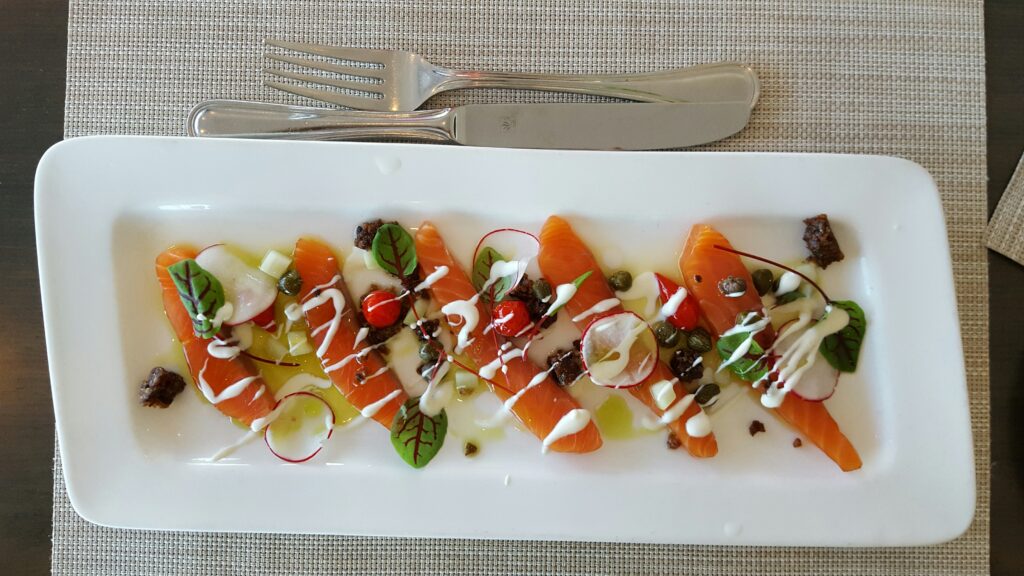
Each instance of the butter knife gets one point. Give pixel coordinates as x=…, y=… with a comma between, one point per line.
x=557, y=126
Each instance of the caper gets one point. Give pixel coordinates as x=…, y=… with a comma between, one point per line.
x=763, y=280
x=621, y=281
x=699, y=340
x=290, y=283
x=428, y=352
x=707, y=394
x=541, y=289
x=733, y=286
x=666, y=334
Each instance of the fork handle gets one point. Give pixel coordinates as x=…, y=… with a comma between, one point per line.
x=720, y=82
x=239, y=119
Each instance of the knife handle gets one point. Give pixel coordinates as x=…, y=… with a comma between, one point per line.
x=239, y=119
x=721, y=82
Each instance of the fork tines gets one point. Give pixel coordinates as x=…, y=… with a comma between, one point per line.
x=365, y=85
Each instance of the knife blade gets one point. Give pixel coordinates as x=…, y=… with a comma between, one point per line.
x=555, y=126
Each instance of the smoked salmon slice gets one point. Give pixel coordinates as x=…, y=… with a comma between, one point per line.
x=563, y=258
x=541, y=407
x=356, y=369
x=233, y=385
x=702, y=266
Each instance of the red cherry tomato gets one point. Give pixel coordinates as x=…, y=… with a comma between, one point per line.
x=381, y=308
x=510, y=317
x=688, y=313
x=265, y=320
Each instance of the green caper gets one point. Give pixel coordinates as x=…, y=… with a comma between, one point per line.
x=763, y=280
x=541, y=289
x=621, y=281
x=699, y=340
x=428, y=352
x=666, y=334
x=707, y=394
x=290, y=283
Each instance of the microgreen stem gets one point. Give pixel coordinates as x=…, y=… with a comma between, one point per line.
x=777, y=265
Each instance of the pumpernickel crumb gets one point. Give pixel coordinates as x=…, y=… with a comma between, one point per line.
x=525, y=293
x=797, y=442
x=428, y=327
x=673, y=441
x=756, y=426
x=365, y=232
x=686, y=365
x=821, y=241
x=160, y=388
x=471, y=449
x=567, y=363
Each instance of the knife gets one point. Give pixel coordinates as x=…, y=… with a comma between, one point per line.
x=558, y=126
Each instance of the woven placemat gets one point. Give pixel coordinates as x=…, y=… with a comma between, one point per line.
x=896, y=77
x=1006, y=228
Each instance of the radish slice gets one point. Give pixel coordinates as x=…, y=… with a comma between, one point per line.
x=249, y=290
x=619, y=350
x=818, y=383
x=304, y=422
x=515, y=245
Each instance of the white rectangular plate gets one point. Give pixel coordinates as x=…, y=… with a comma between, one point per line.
x=106, y=206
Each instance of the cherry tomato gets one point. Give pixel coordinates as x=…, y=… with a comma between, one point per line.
x=381, y=308
x=510, y=317
x=265, y=320
x=688, y=313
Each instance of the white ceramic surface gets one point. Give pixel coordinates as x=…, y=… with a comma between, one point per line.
x=106, y=206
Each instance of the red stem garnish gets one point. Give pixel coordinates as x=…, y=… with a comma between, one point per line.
x=261, y=359
x=777, y=265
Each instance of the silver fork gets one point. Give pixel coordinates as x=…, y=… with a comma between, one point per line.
x=401, y=81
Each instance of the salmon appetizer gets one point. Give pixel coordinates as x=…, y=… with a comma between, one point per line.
x=547, y=411
x=564, y=257
x=353, y=365
x=716, y=277
x=231, y=384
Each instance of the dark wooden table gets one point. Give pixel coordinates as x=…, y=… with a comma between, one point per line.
x=33, y=41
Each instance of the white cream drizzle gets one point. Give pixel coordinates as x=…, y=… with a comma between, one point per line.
x=788, y=282
x=438, y=392
x=338, y=299
x=240, y=339
x=563, y=293
x=751, y=329
x=228, y=393
x=353, y=356
x=574, y=421
x=697, y=426
x=371, y=410
x=432, y=278
x=798, y=358
x=615, y=360
x=361, y=335
x=674, y=302
x=503, y=413
x=645, y=286
x=222, y=315
x=602, y=306
x=470, y=315
x=489, y=370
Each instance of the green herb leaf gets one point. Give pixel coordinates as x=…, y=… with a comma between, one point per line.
x=482, y=272
x=200, y=292
x=394, y=250
x=746, y=368
x=842, y=349
x=417, y=437
x=577, y=283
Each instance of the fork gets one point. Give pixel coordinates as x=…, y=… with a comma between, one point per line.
x=398, y=80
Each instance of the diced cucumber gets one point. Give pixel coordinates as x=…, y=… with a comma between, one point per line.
x=465, y=382
x=275, y=264
x=298, y=344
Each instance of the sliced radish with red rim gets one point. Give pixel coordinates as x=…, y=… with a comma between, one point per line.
x=250, y=291
x=819, y=382
x=303, y=423
x=619, y=350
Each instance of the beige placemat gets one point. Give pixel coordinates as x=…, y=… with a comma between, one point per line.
x=897, y=77
x=1006, y=228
